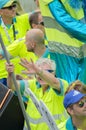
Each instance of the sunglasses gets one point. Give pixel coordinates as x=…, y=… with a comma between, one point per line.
x=41, y=23
x=81, y=103
x=50, y=71
x=10, y=7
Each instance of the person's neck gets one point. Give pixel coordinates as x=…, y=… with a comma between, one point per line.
x=40, y=51
x=80, y=123
x=7, y=21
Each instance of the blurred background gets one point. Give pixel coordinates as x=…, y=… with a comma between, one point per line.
x=27, y=5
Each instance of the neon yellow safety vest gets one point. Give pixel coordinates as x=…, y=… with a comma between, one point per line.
x=16, y=51
x=53, y=101
x=56, y=34
x=16, y=30
x=62, y=126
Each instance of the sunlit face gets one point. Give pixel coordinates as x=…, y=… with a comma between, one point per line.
x=39, y=25
x=29, y=44
x=9, y=12
x=79, y=109
x=47, y=68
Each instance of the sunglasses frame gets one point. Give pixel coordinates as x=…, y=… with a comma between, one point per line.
x=81, y=103
x=10, y=7
x=41, y=23
x=50, y=71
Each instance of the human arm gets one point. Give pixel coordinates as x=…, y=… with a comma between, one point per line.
x=46, y=76
x=15, y=49
x=22, y=84
x=75, y=27
x=12, y=50
x=10, y=70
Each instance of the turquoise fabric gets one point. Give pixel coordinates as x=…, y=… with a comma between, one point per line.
x=56, y=91
x=69, y=125
x=75, y=3
x=61, y=87
x=3, y=2
x=46, y=53
x=74, y=27
x=22, y=88
x=84, y=7
x=69, y=68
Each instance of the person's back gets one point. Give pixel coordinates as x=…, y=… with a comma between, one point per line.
x=36, y=21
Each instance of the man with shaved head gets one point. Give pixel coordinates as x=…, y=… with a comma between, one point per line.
x=34, y=41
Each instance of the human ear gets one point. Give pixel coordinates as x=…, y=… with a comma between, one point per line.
x=70, y=110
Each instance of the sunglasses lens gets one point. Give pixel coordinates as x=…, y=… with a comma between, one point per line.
x=81, y=104
x=50, y=71
x=42, y=23
x=11, y=7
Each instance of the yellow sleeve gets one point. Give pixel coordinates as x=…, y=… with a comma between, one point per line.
x=15, y=48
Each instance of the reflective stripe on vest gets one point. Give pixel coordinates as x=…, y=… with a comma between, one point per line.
x=41, y=120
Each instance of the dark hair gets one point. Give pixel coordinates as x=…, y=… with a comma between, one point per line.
x=33, y=18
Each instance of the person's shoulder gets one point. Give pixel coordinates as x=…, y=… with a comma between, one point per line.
x=22, y=16
x=17, y=43
x=23, y=21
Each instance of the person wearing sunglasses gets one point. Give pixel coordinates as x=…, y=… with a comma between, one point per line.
x=10, y=7
x=18, y=48
x=36, y=21
x=12, y=26
x=45, y=86
x=75, y=104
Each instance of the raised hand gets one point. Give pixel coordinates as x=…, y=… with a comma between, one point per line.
x=9, y=67
x=30, y=66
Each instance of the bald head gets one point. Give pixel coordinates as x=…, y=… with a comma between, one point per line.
x=34, y=37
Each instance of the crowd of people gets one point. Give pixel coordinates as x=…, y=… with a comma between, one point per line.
x=46, y=48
